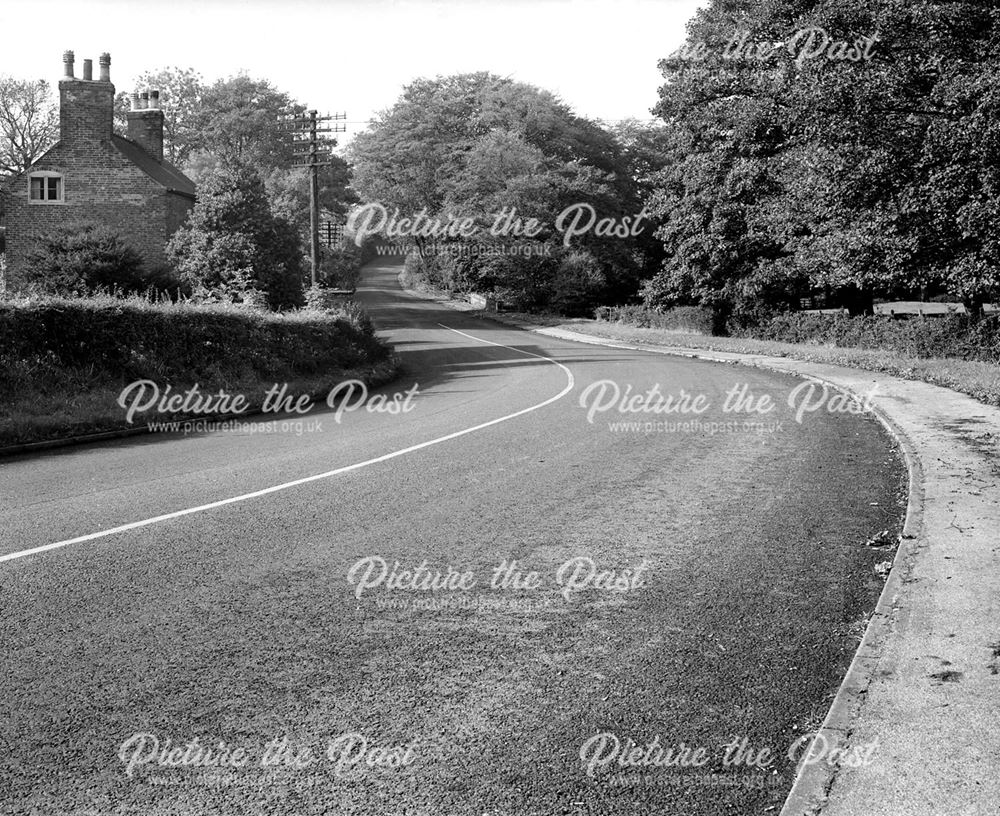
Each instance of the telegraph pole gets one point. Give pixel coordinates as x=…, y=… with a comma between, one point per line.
x=314, y=195
x=314, y=152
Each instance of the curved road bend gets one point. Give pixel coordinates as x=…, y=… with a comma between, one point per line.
x=236, y=624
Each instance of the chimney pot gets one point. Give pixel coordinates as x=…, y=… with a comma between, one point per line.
x=86, y=108
x=105, y=67
x=145, y=123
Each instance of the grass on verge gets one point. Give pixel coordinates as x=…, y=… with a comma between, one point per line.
x=59, y=411
x=979, y=380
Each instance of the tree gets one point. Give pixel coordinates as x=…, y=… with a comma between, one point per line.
x=29, y=123
x=233, y=245
x=239, y=120
x=181, y=100
x=578, y=279
x=429, y=149
x=475, y=145
x=288, y=192
x=644, y=147
x=873, y=176
x=231, y=121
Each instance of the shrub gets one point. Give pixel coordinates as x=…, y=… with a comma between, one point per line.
x=353, y=312
x=954, y=336
x=448, y=272
x=82, y=258
x=133, y=339
x=692, y=319
x=215, y=267
x=577, y=281
x=233, y=243
x=443, y=270
x=341, y=265
x=321, y=298
x=414, y=269
x=64, y=362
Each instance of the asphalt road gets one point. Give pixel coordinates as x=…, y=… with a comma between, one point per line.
x=253, y=627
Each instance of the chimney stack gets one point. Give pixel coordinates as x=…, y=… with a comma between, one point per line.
x=86, y=107
x=145, y=123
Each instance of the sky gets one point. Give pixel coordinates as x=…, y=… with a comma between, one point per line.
x=352, y=56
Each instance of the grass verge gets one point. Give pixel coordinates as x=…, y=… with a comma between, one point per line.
x=977, y=379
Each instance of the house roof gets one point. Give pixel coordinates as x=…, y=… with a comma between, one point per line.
x=162, y=172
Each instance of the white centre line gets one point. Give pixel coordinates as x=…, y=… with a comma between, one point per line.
x=330, y=473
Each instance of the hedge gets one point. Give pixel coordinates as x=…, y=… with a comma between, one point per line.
x=954, y=336
x=690, y=319
x=132, y=339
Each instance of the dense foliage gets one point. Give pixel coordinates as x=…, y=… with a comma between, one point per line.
x=826, y=149
x=955, y=336
x=83, y=258
x=235, y=248
x=179, y=342
x=240, y=121
x=65, y=361
x=787, y=175
x=688, y=319
x=476, y=146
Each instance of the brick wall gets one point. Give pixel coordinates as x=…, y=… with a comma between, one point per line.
x=99, y=185
x=145, y=128
x=178, y=209
x=86, y=110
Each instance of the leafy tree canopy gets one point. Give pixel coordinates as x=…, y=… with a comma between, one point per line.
x=786, y=174
x=475, y=145
x=182, y=92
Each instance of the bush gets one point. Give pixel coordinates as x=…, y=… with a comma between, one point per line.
x=414, y=270
x=340, y=266
x=133, y=339
x=954, y=336
x=577, y=281
x=83, y=258
x=64, y=362
x=233, y=244
x=691, y=319
x=442, y=270
x=353, y=312
x=323, y=299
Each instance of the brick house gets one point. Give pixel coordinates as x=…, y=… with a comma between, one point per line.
x=92, y=174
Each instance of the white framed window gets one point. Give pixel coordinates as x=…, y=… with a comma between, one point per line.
x=45, y=188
